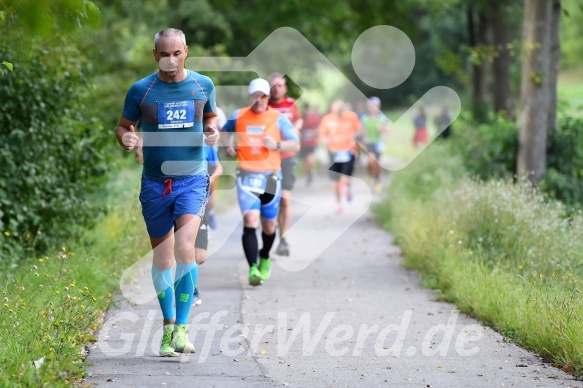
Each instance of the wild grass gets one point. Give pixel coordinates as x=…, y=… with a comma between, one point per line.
x=499, y=250
x=54, y=303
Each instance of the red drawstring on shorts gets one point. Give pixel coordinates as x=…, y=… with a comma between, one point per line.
x=168, y=188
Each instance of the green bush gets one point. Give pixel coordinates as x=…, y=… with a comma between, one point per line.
x=489, y=149
x=54, y=154
x=564, y=178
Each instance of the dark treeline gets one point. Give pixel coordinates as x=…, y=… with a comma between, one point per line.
x=68, y=65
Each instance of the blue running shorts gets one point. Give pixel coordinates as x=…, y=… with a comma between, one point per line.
x=163, y=202
x=268, y=201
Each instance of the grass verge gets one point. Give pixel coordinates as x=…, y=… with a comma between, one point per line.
x=498, y=250
x=53, y=304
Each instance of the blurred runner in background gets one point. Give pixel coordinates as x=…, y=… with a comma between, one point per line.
x=309, y=137
x=202, y=238
x=339, y=130
x=287, y=105
x=375, y=125
x=421, y=136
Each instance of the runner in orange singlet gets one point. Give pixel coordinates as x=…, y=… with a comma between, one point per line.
x=262, y=133
x=338, y=130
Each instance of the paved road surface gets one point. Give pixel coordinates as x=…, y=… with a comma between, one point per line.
x=353, y=316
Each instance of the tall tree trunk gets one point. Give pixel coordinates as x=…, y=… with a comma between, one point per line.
x=478, y=36
x=535, y=88
x=485, y=20
x=554, y=65
x=502, y=61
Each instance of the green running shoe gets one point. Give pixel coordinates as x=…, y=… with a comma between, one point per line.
x=166, y=348
x=180, y=341
x=264, y=268
x=254, y=276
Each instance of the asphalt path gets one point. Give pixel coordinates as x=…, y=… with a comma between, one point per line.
x=340, y=311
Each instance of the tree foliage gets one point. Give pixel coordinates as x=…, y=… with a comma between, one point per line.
x=49, y=17
x=53, y=151
x=571, y=33
x=564, y=177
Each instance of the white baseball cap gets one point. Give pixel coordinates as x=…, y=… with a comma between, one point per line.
x=259, y=85
x=375, y=100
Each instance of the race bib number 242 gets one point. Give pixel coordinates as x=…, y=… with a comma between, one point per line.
x=176, y=114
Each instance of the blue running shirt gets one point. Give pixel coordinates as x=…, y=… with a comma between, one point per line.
x=170, y=115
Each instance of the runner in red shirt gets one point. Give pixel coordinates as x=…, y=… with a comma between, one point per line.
x=287, y=105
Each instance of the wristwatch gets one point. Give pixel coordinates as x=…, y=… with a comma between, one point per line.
x=278, y=145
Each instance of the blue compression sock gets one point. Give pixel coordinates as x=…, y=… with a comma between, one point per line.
x=163, y=285
x=186, y=277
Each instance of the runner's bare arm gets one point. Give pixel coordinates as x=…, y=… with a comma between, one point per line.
x=289, y=146
x=284, y=145
x=227, y=140
x=210, y=119
x=126, y=133
x=324, y=135
x=385, y=128
x=298, y=124
x=358, y=130
x=210, y=124
x=139, y=152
